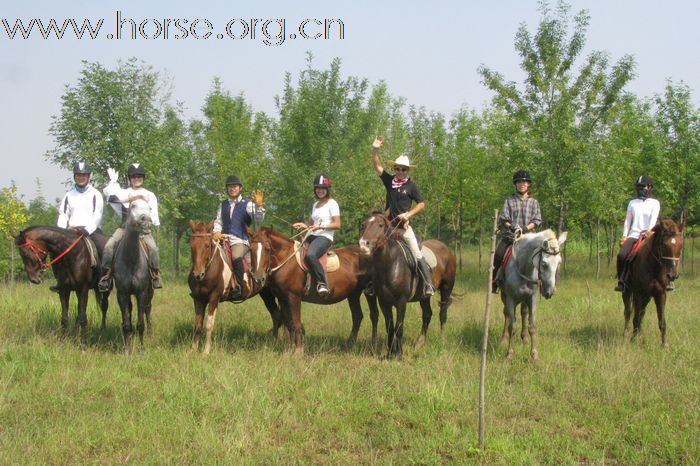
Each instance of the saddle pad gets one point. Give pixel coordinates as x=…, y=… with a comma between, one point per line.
x=92, y=250
x=429, y=256
x=506, y=257
x=329, y=261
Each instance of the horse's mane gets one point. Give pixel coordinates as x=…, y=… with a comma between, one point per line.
x=277, y=234
x=21, y=237
x=531, y=240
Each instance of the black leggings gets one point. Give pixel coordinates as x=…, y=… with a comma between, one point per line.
x=318, y=245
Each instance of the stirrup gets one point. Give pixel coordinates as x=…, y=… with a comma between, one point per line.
x=620, y=286
x=671, y=286
x=428, y=290
x=322, y=290
x=105, y=283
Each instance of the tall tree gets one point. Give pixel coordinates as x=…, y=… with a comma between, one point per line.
x=561, y=113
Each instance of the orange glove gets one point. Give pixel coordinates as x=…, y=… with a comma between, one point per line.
x=216, y=236
x=258, y=197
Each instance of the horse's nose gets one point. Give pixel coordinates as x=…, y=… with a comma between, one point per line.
x=364, y=246
x=199, y=276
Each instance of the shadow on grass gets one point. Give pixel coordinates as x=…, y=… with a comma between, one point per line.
x=593, y=336
x=472, y=335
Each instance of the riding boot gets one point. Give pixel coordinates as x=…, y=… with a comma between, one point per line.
x=156, y=281
x=55, y=288
x=369, y=288
x=428, y=289
x=236, y=291
x=105, y=283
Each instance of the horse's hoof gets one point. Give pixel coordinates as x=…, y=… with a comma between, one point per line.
x=534, y=356
x=509, y=356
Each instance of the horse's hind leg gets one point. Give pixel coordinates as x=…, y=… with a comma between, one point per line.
x=274, y=310
x=199, y=307
x=445, y=301
x=660, y=301
x=427, y=316
x=507, y=323
x=64, y=296
x=640, y=304
x=627, y=300
x=103, y=300
x=356, y=311
x=82, y=316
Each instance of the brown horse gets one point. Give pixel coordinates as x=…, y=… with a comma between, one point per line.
x=209, y=280
x=71, y=264
x=393, y=281
x=655, y=263
x=287, y=281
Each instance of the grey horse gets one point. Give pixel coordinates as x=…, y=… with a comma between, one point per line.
x=131, y=272
x=535, y=261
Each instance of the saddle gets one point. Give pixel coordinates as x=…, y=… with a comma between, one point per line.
x=633, y=252
x=500, y=275
x=228, y=255
x=417, y=280
x=329, y=261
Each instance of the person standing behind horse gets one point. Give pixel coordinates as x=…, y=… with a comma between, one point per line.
x=325, y=219
x=520, y=212
x=642, y=214
x=119, y=199
x=232, y=218
x=401, y=192
x=82, y=207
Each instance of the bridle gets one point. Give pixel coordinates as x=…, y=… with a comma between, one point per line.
x=388, y=230
x=214, y=250
x=660, y=258
x=41, y=255
x=550, y=248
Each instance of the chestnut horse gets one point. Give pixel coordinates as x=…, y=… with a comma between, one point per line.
x=393, y=281
x=209, y=280
x=287, y=281
x=71, y=265
x=654, y=264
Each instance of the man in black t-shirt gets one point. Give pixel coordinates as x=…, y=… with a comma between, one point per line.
x=401, y=193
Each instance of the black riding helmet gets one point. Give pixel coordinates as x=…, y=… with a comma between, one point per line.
x=81, y=168
x=521, y=175
x=644, y=180
x=136, y=169
x=322, y=181
x=234, y=179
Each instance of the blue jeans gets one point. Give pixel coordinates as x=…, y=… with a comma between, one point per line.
x=318, y=245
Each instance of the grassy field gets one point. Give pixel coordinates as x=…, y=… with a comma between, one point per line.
x=593, y=398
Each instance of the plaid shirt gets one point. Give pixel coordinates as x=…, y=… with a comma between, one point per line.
x=521, y=212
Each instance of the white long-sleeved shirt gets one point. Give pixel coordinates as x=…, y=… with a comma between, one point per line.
x=258, y=214
x=123, y=195
x=81, y=209
x=641, y=216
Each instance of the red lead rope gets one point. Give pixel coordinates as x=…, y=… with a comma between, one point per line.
x=36, y=250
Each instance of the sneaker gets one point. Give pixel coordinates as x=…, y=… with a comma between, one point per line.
x=105, y=284
x=157, y=282
x=429, y=290
x=494, y=287
x=369, y=289
x=671, y=286
x=323, y=290
x=620, y=286
x=54, y=288
x=233, y=294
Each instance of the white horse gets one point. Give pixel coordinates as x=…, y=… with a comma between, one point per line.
x=534, y=264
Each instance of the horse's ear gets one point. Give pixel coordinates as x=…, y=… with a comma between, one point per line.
x=192, y=224
x=562, y=238
x=14, y=234
x=210, y=225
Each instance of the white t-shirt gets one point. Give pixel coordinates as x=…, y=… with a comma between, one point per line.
x=124, y=194
x=641, y=216
x=81, y=209
x=323, y=216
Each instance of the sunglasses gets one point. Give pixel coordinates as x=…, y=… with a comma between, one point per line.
x=400, y=169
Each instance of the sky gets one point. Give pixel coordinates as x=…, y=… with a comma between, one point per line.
x=427, y=52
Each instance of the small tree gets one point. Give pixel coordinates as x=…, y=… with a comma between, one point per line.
x=13, y=216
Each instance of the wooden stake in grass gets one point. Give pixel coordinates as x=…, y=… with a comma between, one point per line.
x=485, y=342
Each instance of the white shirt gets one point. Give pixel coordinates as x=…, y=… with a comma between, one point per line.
x=323, y=216
x=81, y=209
x=641, y=216
x=258, y=214
x=123, y=196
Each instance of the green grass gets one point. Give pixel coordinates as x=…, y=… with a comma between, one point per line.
x=591, y=399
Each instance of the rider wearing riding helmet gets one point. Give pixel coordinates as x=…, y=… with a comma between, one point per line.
x=520, y=214
x=119, y=199
x=325, y=219
x=232, y=218
x=642, y=214
x=401, y=192
x=82, y=206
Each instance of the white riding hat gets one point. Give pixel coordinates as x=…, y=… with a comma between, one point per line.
x=401, y=161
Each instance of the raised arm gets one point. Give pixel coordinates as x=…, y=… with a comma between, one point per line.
x=376, y=162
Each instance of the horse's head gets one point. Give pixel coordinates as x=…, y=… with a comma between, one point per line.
x=373, y=232
x=200, y=247
x=667, y=245
x=550, y=259
x=260, y=253
x=33, y=253
x=139, y=217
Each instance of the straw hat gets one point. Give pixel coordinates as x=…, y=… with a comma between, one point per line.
x=401, y=161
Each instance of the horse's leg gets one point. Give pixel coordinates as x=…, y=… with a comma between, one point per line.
x=400, y=315
x=82, y=315
x=627, y=301
x=427, y=314
x=124, y=300
x=507, y=323
x=274, y=310
x=64, y=296
x=295, y=336
x=147, y=310
x=640, y=304
x=356, y=312
x=445, y=301
x=660, y=301
x=211, y=317
x=141, y=306
x=532, y=329
x=373, y=316
x=525, y=313
x=509, y=311
x=103, y=299
x=199, y=307
x=386, y=308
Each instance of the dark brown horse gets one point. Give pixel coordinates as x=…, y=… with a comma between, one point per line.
x=287, y=281
x=209, y=280
x=67, y=253
x=655, y=263
x=393, y=281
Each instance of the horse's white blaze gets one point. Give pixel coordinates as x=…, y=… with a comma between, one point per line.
x=259, y=255
x=371, y=220
x=673, y=240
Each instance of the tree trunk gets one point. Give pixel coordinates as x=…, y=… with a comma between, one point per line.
x=590, y=240
x=561, y=228
x=597, y=249
x=481, y=233
x=12, y=262
x=176, y=249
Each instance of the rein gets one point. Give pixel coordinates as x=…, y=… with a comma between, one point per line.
x=661, y=258
x=550, y=250
x=295, y=250
x=388, y=232
x=37, y=251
